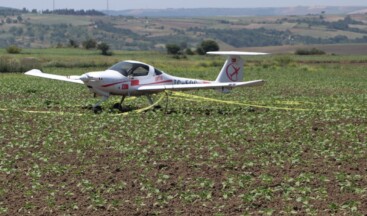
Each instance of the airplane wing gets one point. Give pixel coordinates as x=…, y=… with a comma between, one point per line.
x=179, y=87
x=38, y=73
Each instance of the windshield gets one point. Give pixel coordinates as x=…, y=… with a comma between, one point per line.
x=131, y=69
x=122, y=67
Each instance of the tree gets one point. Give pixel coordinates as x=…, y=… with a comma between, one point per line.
x=104, y=49
x=13, y=49
x=313, y=51
x=73, y=43
x=20, y=19
x=188, y=51
x=89, y=44
x=8, y=20
x=200, y=51
x=207, y=46
x=173, y=49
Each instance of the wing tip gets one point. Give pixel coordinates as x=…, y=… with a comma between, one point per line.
x=236, y=53
x=33, y=71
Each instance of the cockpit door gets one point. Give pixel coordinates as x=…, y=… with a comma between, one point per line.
x=137, y=73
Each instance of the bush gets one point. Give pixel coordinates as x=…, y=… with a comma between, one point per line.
x=73, y=43
x=73, y=64
x=188, y=51
x=207, y=46
x=173, y=49
x=179, y=56
x=104, y=49
x=89, y=44
x=313, y=51
x=283, y=60
x=200, y=51
x=13, y=49
x=8, y=64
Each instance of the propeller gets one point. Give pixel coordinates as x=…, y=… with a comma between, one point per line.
x=85, y=78
x=88, y=78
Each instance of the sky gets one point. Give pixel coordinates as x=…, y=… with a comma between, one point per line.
x=162, y=4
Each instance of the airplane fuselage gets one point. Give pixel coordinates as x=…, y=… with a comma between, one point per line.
x=113, y=82
x=133, y=78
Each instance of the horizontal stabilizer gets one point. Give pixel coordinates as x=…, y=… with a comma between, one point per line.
x=38, y=73
x=236, y=53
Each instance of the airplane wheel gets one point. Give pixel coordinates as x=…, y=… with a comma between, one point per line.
x=97, y=109
x=117, y=106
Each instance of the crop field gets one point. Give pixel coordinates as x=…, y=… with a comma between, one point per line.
x=55, y=19
x=343, y=50
x=297, y=145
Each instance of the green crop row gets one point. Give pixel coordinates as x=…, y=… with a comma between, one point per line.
x=296, y=145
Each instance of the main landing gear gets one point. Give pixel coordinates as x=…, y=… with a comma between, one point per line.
x=98, y=109
x=119, y=105
x=151, y=102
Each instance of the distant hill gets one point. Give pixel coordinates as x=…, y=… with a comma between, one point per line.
x=29, y=29
x=210, y=12
x=7, y=9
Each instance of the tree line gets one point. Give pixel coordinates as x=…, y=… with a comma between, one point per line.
x=16, y=12
x=182, y=48
x=269, y=37
x=74, y=12
x=343, y=24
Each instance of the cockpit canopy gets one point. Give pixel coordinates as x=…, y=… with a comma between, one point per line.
x=131, y=68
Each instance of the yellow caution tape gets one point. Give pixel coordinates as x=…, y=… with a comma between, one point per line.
x=295, y=103
x=146, y=108
x=189, y=97
x=195, y=98
x=81, y=114
x=42, y=112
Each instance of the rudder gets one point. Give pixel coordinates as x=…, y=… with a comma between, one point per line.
x=233, y=68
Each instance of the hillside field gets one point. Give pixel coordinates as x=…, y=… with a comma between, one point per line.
x=297, y=145
x=153, y=33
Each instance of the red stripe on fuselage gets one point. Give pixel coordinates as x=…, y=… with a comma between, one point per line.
x=112, y=84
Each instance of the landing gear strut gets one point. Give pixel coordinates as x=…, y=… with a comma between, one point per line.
x=151, y=102
x=150, y=99
x=97, y=107
x=119, y=105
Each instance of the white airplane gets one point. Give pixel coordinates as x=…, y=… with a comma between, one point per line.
x=133, y=78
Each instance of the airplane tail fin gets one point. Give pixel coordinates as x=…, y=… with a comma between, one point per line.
x=233, y=68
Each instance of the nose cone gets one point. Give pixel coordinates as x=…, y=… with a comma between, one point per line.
x=84, y=78
x=91, y=77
